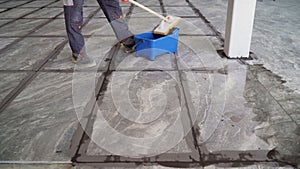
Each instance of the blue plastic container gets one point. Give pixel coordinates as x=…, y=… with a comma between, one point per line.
x=152, y=45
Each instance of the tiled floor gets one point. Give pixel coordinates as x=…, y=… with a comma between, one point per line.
x=192, y=109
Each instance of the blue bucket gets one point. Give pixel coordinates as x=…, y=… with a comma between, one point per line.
x=152, y=45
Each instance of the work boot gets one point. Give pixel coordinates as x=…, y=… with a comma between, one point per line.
x=129, y=45
x=84, y=61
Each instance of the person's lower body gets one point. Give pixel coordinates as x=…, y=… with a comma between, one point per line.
x=114, y=15
x=74, y=20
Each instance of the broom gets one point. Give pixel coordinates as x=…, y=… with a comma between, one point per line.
x=167, y=23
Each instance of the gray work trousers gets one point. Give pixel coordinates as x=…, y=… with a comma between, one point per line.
x=73, y=11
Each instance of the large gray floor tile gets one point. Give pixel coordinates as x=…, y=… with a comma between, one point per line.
x=97, y=48
x=282, y=111
x=8, y=82
x=19, y=57
x=21, y=27
x=229, y=123
x=242, y=115
x=124, y=61
x=45, y=13
x=198, y=53
x=138, y=115
x=41, y=120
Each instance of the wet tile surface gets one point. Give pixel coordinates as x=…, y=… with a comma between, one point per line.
x=272, y=46
x=41, y=129
x=18, y=57
x=282, y=109
x=228, y=124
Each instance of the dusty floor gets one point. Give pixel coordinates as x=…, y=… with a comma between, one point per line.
x=192, y=109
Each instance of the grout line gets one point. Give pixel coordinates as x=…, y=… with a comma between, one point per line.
x=163, y=9
x=206, y=21
x=196, y=144
x=85, y=140
x=16, y=91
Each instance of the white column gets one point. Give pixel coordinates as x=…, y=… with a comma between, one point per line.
x=239, y=26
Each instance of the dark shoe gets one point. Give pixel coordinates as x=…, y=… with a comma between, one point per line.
x=129, y=45
x=84, y=61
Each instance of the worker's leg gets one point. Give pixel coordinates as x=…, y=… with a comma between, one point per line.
x=74, y=19
x=113, y=13
x=73, y=10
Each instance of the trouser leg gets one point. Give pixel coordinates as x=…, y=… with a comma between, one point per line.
x=113, y=13
x=74, y=20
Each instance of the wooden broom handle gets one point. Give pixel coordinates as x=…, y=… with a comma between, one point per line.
x=145, y=8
